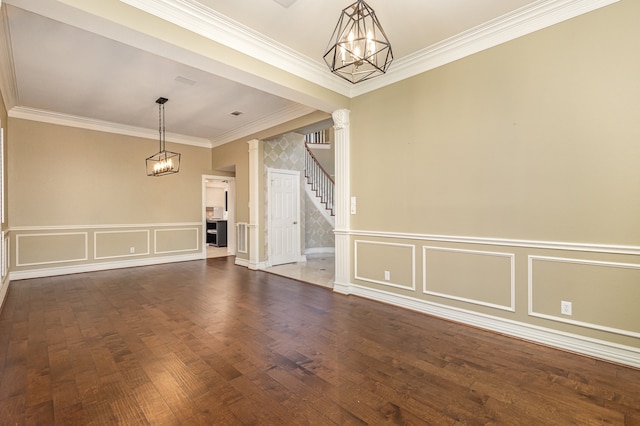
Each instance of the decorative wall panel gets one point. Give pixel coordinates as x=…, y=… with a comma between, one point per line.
x=176, y=240
x=389, y=264
x=43, y=249
x=603, y=295
x=115, y=244
x=455, y=274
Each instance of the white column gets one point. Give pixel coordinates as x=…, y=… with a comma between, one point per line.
x=254, y=205
x=342, y=200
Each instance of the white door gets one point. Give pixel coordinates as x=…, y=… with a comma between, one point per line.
x=284, y=216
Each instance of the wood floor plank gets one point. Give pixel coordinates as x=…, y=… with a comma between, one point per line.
x=209, y=342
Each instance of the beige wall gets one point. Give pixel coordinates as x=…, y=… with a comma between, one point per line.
x=62, y=175
x=533, y=139
x=80, y=197
x=531, y=144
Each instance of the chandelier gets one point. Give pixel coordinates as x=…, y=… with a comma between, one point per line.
x=163, y=162
x=359, y=48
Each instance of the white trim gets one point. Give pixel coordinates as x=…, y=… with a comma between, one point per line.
x=92, y=267
x=319, y=146
x=4, y=276
x=255, y=209
x=342, y=197
x=196, y=17
x=253, y=266
x=520, y=22
x=570, y=321
x=4, y=290
x=51, y=117
x=553, y=245
x=86, y=248
x=155, y=240
x=613, y=352
x=385, y=283
x=105, y=226
x=242, y=234
x=232, y=237
x=95, y=244
x=8, y=252
x=320, y=250
x=242, y=262
x=512, y=276
x=4, y=270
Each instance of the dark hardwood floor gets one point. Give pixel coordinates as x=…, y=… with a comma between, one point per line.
x=208, y=342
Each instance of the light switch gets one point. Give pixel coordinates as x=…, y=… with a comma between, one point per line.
x=353, y=205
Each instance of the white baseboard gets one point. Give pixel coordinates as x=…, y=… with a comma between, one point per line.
x=242, y=262
x=320, y=250
x=620, y=354
x=252, y=266
x=91, y=267
x=4, y=290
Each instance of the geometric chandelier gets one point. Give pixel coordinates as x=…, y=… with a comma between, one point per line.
x=163, y=162
x=359, y=49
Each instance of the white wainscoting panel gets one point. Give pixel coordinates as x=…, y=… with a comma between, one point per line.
x=101, y=237
x=5, y=256
x=48, y=254
x=407, y=250
x=456, y=263
x=606, y=290
x=242, y=237
x=163, y=234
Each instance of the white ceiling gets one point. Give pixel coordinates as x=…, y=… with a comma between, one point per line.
x=70, y=66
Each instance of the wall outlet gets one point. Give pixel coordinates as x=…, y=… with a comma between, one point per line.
x=387, y=275
x=565, y=308
x=132, y=249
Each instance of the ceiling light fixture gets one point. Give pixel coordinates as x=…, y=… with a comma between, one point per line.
x=359, y=49
x=163, y=162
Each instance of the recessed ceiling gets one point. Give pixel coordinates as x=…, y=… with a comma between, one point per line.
x=69, y=63
x=64, y=69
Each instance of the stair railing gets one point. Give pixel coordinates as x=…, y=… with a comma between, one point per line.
x=321, y=183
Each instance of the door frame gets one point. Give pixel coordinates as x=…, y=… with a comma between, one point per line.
x=298, y=242
x=231, y=213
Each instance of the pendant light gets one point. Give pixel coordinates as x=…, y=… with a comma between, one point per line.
x=358, y=49
x=163, y=162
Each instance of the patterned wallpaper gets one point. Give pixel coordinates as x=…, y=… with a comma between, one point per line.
x=287, y=152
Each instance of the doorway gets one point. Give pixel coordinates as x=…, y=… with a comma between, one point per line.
x=218, y=216
x=283, y=216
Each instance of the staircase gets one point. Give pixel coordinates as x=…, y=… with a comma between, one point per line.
x=318, y=180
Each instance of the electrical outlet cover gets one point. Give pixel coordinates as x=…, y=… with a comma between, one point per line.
x=565, y=308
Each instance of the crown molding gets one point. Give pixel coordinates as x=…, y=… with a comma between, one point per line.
x=192, y=15
x=271, y=120
x=101, y=126
x=202, y=20
x=523, y=21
